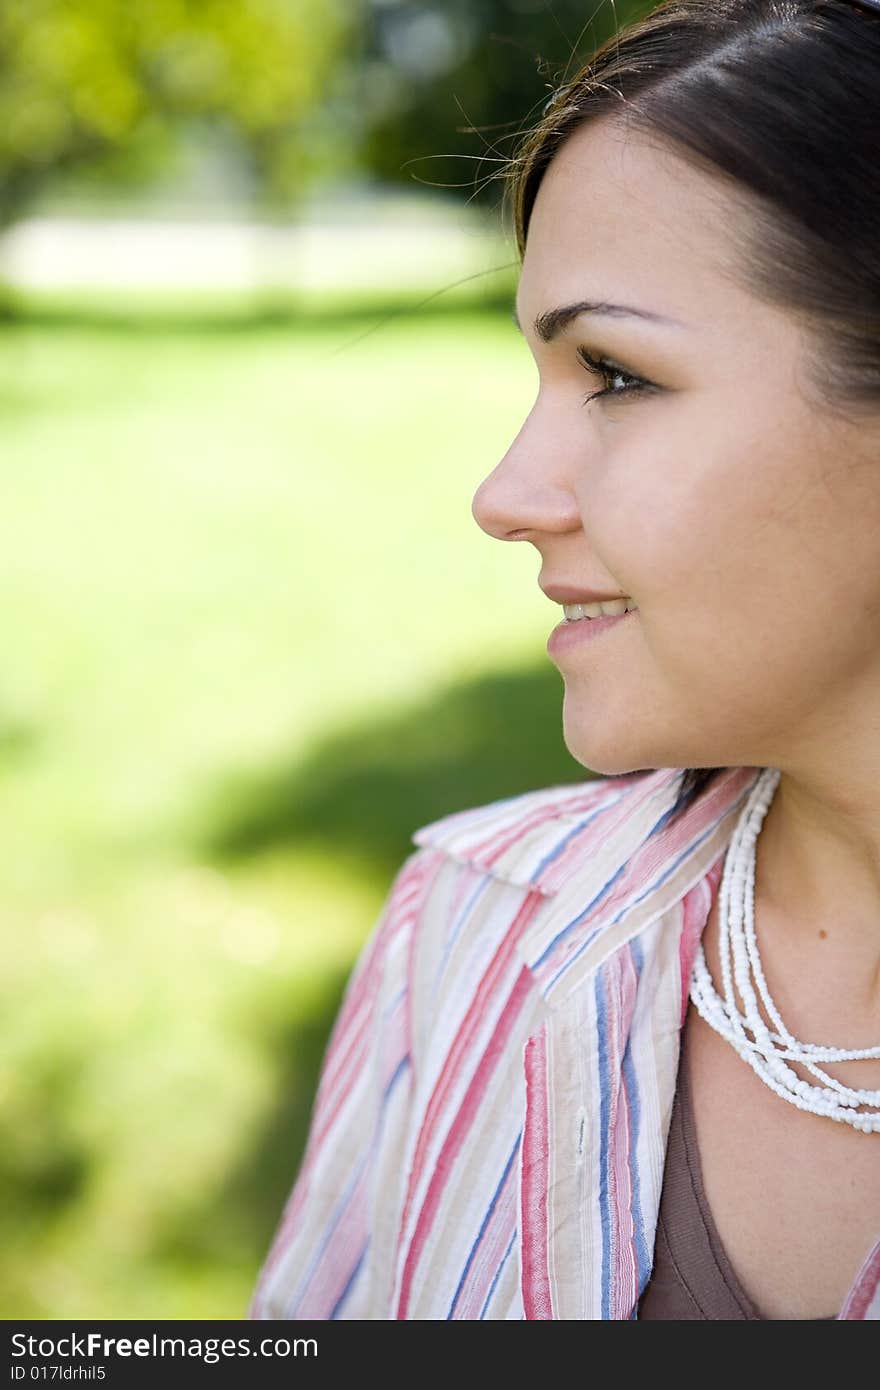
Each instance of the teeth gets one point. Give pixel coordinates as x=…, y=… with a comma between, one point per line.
x=612, y=609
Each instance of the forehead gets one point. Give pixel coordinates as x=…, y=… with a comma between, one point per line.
x=624, y=216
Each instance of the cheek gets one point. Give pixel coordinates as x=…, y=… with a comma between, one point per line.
x=693, y=527
x=657, y=539
x=724, y=563
x=682, y=539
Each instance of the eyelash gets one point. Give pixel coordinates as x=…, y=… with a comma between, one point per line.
x=605, y=367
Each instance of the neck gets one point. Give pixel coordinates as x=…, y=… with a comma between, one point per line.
x=818, y=869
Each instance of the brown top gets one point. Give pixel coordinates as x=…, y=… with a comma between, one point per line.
x=692, y=1277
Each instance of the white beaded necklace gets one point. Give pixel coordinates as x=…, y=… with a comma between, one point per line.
x=766, y=1051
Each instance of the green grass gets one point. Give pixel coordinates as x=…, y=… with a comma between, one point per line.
x=252, y=638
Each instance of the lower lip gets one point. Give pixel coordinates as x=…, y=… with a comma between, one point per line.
x=574, y=634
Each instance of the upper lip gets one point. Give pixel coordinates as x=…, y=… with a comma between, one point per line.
x=566, y=593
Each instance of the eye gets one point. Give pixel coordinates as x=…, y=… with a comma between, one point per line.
x=608, y=369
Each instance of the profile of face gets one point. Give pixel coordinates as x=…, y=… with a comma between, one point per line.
x=701, y=479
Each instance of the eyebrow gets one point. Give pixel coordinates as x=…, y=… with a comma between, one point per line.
x=553, y=321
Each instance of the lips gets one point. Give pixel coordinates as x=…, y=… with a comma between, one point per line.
x=572, y=594
x=569, y=635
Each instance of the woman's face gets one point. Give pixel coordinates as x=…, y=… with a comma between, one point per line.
x=740, y=516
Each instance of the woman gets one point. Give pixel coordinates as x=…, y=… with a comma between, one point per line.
x=612, y=1049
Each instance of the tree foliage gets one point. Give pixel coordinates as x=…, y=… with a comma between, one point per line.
x=411, y=91
x=82, y=81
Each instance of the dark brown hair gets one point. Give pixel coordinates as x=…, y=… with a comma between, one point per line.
x=780, y=100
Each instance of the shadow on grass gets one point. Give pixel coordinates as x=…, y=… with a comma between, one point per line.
x=240, y=1219
x=44, y=1164
x=361, y=792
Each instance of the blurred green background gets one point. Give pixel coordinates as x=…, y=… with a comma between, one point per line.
x=257, y=354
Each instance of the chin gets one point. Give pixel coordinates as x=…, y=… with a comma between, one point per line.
x=612, y=743
x=604, y=760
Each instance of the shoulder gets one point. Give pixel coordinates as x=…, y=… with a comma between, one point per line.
x=550, y=872
x=537, y=838
x=479, y=892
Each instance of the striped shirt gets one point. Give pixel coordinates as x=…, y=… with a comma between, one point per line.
x=489, y=1132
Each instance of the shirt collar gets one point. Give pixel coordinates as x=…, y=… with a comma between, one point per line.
x=604, y=854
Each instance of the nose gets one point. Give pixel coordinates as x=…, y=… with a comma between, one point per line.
x=528, y=493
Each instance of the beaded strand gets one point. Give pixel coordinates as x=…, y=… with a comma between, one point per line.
x=768, y=1052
